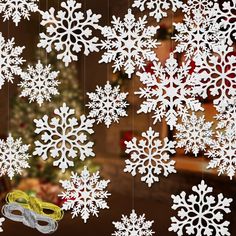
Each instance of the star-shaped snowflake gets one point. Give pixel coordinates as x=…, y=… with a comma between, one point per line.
x=2, y=219
x=10, y=60
x=223, y=152
x=107, y=104
x=200, y=213
x=13, y=156
x=129, y=43
x=69, y=30
x=194, y=134
x=85, y=194
x=158, y=8
x=133, y=225
x=39, y=83
x=167, y=92
x=150, y=157
x=62, y=137
x=17, y=9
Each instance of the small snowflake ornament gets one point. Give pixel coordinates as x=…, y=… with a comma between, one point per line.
x=194, y=134
x=200, y=214
x=69, y=31
x=85, y=194
x=133, y=225
x=39, y=83
x=63, y=138
x=129, y=43
x=2, y=219
x=10, y=60
x=13, y=156
x=107, y=104
x=150, y=157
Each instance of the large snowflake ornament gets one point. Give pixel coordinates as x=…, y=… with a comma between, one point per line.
x=133, y=225
x=129, y=43
x=150, y=157
x=194, y=134
x=10, y=60
x=158, y=8
x=62, y=137
x=69, y=31
x=39, y=83
x=85, y=194
x=200, y=214
x=17, y=9
x=107, y=104
x=13, y=156
x=168, y=92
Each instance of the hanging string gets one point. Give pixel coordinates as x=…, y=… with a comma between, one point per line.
x=8, y=89
x=84, y=70
x=108, y=22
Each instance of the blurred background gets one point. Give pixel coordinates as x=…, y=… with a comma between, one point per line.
x=17, y=117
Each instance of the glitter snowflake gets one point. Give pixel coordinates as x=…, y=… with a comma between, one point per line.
x=10, y=60
x=39, y=83
x=158, y=8
x=13, y=156
x=200, y=213
x=69, y=30
x=194, y=134
x=2, y=219
x=107, y=104
x=62, y=137
x=85, y=194
x=223, y=152
x=129, y=43
x=150, y=157
x=17, y=9
x=167, y=92
x=216, y=74
x=133, y=225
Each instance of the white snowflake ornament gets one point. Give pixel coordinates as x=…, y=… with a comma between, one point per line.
x=129, y=43
x=63, y=138
x=69, y=31
x=13, y=156
x=133, y=225
x=107, y=104
x=10, y=60
x=150, y=157
x=85, y=194
x=194, y=134
x=17, y=9
x=39, y=83
x=2, y=219
x=200, y=214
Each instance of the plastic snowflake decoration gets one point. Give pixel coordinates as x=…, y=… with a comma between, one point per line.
x=10, y=60
x=223, y=152
x=107, y=104
x=69, y=30
x=168, y=92
x=39, y=83
x=150, y=157
x=216, y=74
x=200, y=213
x=13, y=156
x=133, y=225
x=194, y=134
x=158, y=8
x=62, y=137
x=129, y=43
x=17, y=9
x=85, y=194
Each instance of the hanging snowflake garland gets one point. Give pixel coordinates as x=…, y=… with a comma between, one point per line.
x=63, y=138
x=10, y=60
x=85, y=194
x=69, y=31
x=133, y=225
x=13, y=156
x=150, y=157
x=39, y=83
x=129, y=43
